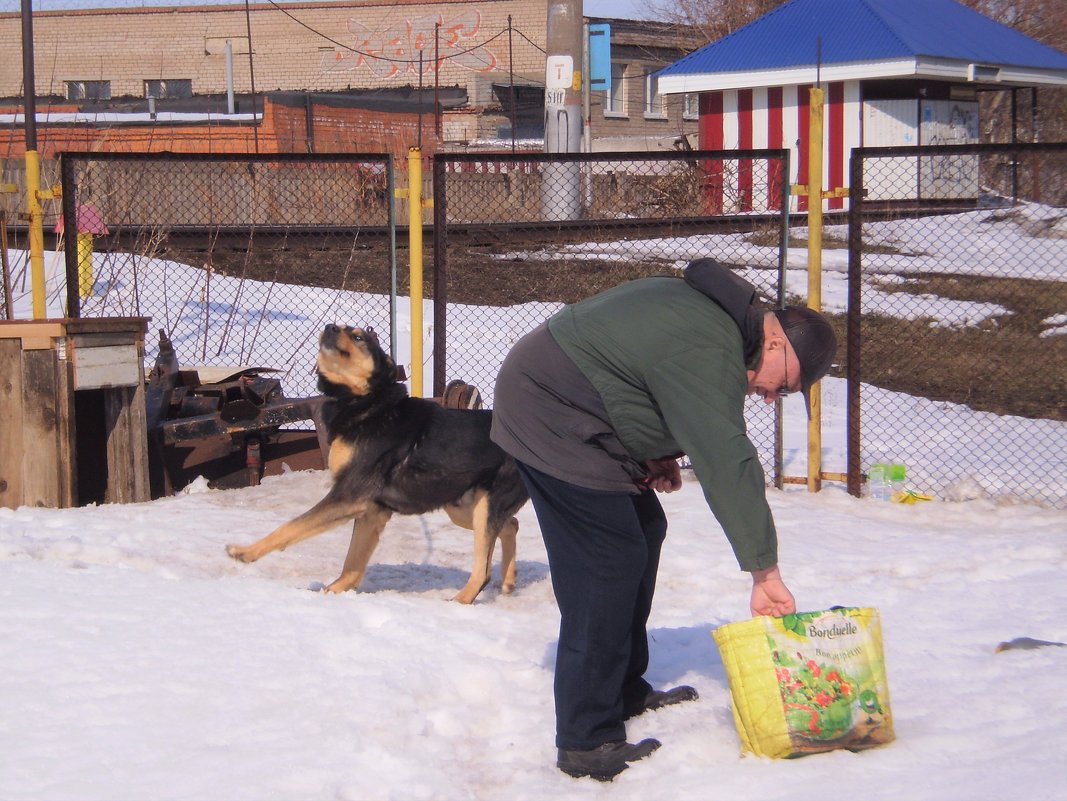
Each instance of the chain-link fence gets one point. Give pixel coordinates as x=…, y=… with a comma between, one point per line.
x=518, y=235
x=954, y=306
x=957, y=307
x=14, y=233
x=240, y=259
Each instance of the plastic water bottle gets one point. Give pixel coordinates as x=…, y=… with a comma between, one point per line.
x=898, y=473
x=879, y=479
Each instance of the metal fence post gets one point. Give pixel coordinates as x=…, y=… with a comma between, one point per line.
x=70, y=228
x=390, y=183
x=440, y=276
x=853, y=342
x=783, y=255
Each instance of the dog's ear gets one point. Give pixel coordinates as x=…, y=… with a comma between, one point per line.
x=390, y=365
x=395, y=373
x=393, y=370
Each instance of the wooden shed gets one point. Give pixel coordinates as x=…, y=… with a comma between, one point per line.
x=72, y=407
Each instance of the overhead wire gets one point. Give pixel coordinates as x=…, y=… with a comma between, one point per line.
x=455, y=54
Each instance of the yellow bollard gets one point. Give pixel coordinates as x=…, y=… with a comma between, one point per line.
x=85, y=264
x=814, y=192
x=415, y=249
x=815, y=198
x=416, y=203
x=36, y=215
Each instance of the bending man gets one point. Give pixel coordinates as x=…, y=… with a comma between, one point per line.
x=596, y=405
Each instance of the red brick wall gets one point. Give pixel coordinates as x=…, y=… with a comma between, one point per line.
x=283, y=130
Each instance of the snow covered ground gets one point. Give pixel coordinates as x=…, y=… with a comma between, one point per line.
x=140, y=662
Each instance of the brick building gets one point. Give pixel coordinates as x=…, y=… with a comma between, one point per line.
x=321, y=76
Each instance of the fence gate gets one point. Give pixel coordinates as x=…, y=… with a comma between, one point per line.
x=240, y=259
x=518, y=235
x=957, y=324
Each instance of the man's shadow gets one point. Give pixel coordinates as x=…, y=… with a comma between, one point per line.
x=674, y=653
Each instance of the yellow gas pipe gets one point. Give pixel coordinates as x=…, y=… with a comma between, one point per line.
x=36, y=215
x=815, y=196
x=416, y=203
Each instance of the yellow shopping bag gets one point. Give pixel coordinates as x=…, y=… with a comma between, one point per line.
x=809, y=682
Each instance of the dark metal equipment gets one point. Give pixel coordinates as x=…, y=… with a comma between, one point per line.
x=225, y=425
x=229, y=424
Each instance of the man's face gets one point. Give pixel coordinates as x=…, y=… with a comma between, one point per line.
x=779, y=370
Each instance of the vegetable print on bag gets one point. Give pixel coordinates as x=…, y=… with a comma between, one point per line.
x=809, y=682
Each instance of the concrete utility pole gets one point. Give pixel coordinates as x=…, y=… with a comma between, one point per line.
x=33, y=168
x=561, y=190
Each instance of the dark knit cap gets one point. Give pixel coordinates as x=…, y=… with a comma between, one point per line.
x=813, y=341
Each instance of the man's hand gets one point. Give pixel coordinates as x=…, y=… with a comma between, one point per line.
x=770, y=596
x=664, y=475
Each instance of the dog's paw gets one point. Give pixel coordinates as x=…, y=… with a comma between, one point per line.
x=238, y=552
x=341, y=584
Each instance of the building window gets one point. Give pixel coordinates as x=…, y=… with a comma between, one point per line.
x=88, y=90
x=654, y=101
x=691, y=106
x=615, y=101
x=172, y=87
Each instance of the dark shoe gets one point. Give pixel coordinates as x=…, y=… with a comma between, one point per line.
x=605, y=762
x=657, y=699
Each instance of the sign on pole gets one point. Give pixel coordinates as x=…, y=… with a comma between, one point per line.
x=600, y=56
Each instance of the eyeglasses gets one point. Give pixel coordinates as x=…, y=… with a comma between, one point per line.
x=784, y=389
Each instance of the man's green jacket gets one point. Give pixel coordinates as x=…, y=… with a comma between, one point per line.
x=666, y=360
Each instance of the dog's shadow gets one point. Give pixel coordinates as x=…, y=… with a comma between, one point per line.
x=412, y=577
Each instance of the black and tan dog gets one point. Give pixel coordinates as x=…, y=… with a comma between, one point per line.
x=391, y=453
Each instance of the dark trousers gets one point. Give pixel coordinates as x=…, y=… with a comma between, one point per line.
x=603, y=554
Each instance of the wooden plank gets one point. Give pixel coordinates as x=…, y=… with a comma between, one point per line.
x=133, y=327
x=66, y=433
x=11, y=440
x=41, y=469
x=136, y=326
x=103, y=367
x=129, y=479
x=37, y=335
x=141, y=481
x=104, y=339
x=127, y=445
x=116, y=423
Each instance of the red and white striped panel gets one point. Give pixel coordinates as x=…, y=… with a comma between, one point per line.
x=775, y=117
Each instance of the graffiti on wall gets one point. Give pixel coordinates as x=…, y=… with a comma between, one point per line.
x=398, y=49
x=946, y=122
x=949, y=123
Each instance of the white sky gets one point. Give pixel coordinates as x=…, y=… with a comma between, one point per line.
x=626, y=9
